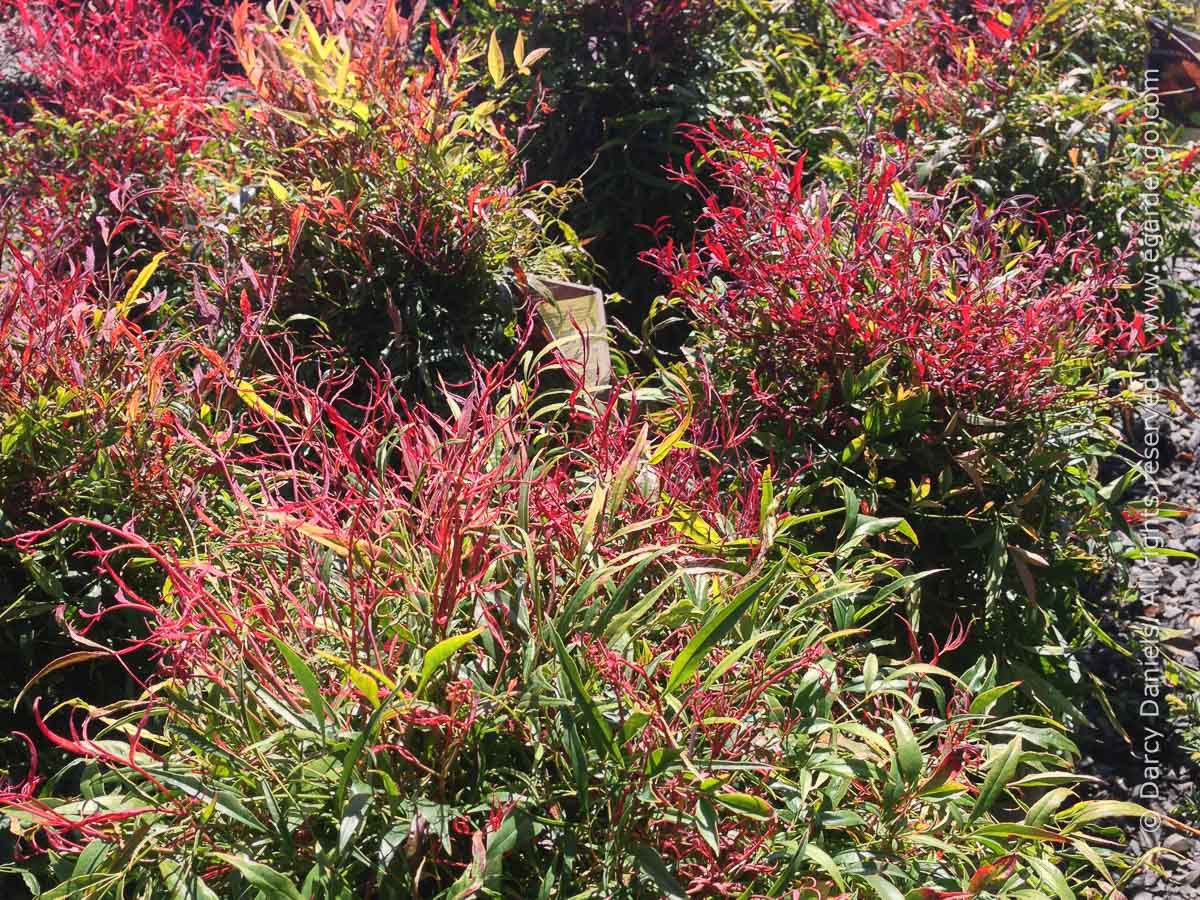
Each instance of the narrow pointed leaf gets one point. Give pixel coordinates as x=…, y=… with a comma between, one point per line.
x=714, y=631
x=440, y=653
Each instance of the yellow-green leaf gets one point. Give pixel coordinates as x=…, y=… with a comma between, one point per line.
x=263, y=877
x=660, y=452
x=139, y=283
x=278, y=191
x=248, y=395
x=746, y=804
x=719, y=624
x=365, y=685
x=693, y=526
x=495, y=59
x=1000, y=772
x=440, y=653
x=62, y=662
x=908, y=751
x=519, y=50
x=825, y=861
x=1051, y=876
x=1094, y=810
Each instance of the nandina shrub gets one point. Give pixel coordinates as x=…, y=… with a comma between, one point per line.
x=89, y=407
x=1045, y=100
x=354, y=173
x=119, y=100
x=947, y=362
x=97, y=385
x=390, y=674
x=788, y=66
x=105, y=188
x=376, y=184
x=794, y=286
x=944, y=60
x=94, y=58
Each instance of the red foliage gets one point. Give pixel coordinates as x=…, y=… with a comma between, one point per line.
x=126, y=93
x=373, y=477
x=398, y=192
x=98, y=388
x=92, y=57
x=62, y=833
x=942, y=55
x=794, y=288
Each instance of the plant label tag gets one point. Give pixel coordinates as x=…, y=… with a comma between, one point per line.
x=574, y=316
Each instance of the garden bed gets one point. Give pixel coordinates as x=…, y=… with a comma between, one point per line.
x=594, y=448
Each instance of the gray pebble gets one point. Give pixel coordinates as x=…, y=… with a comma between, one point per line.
x=1178, y=843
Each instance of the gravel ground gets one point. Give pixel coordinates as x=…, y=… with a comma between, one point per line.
x=14, y=83
x=1170, y=600
x=1153, y=764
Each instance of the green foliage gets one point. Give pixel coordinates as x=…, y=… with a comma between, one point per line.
x=381, y=186
x=86, y=419
x=284, y=625
x=620, y=78
x=569, y=717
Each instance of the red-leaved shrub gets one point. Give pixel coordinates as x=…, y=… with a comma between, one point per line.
x=121, y=101
x=92, y=58
x=792, y=287
x=90, y=408
x=943, y=58
x=373, y=531
x=924, y=355
x=378, y=177
x=460, y=642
